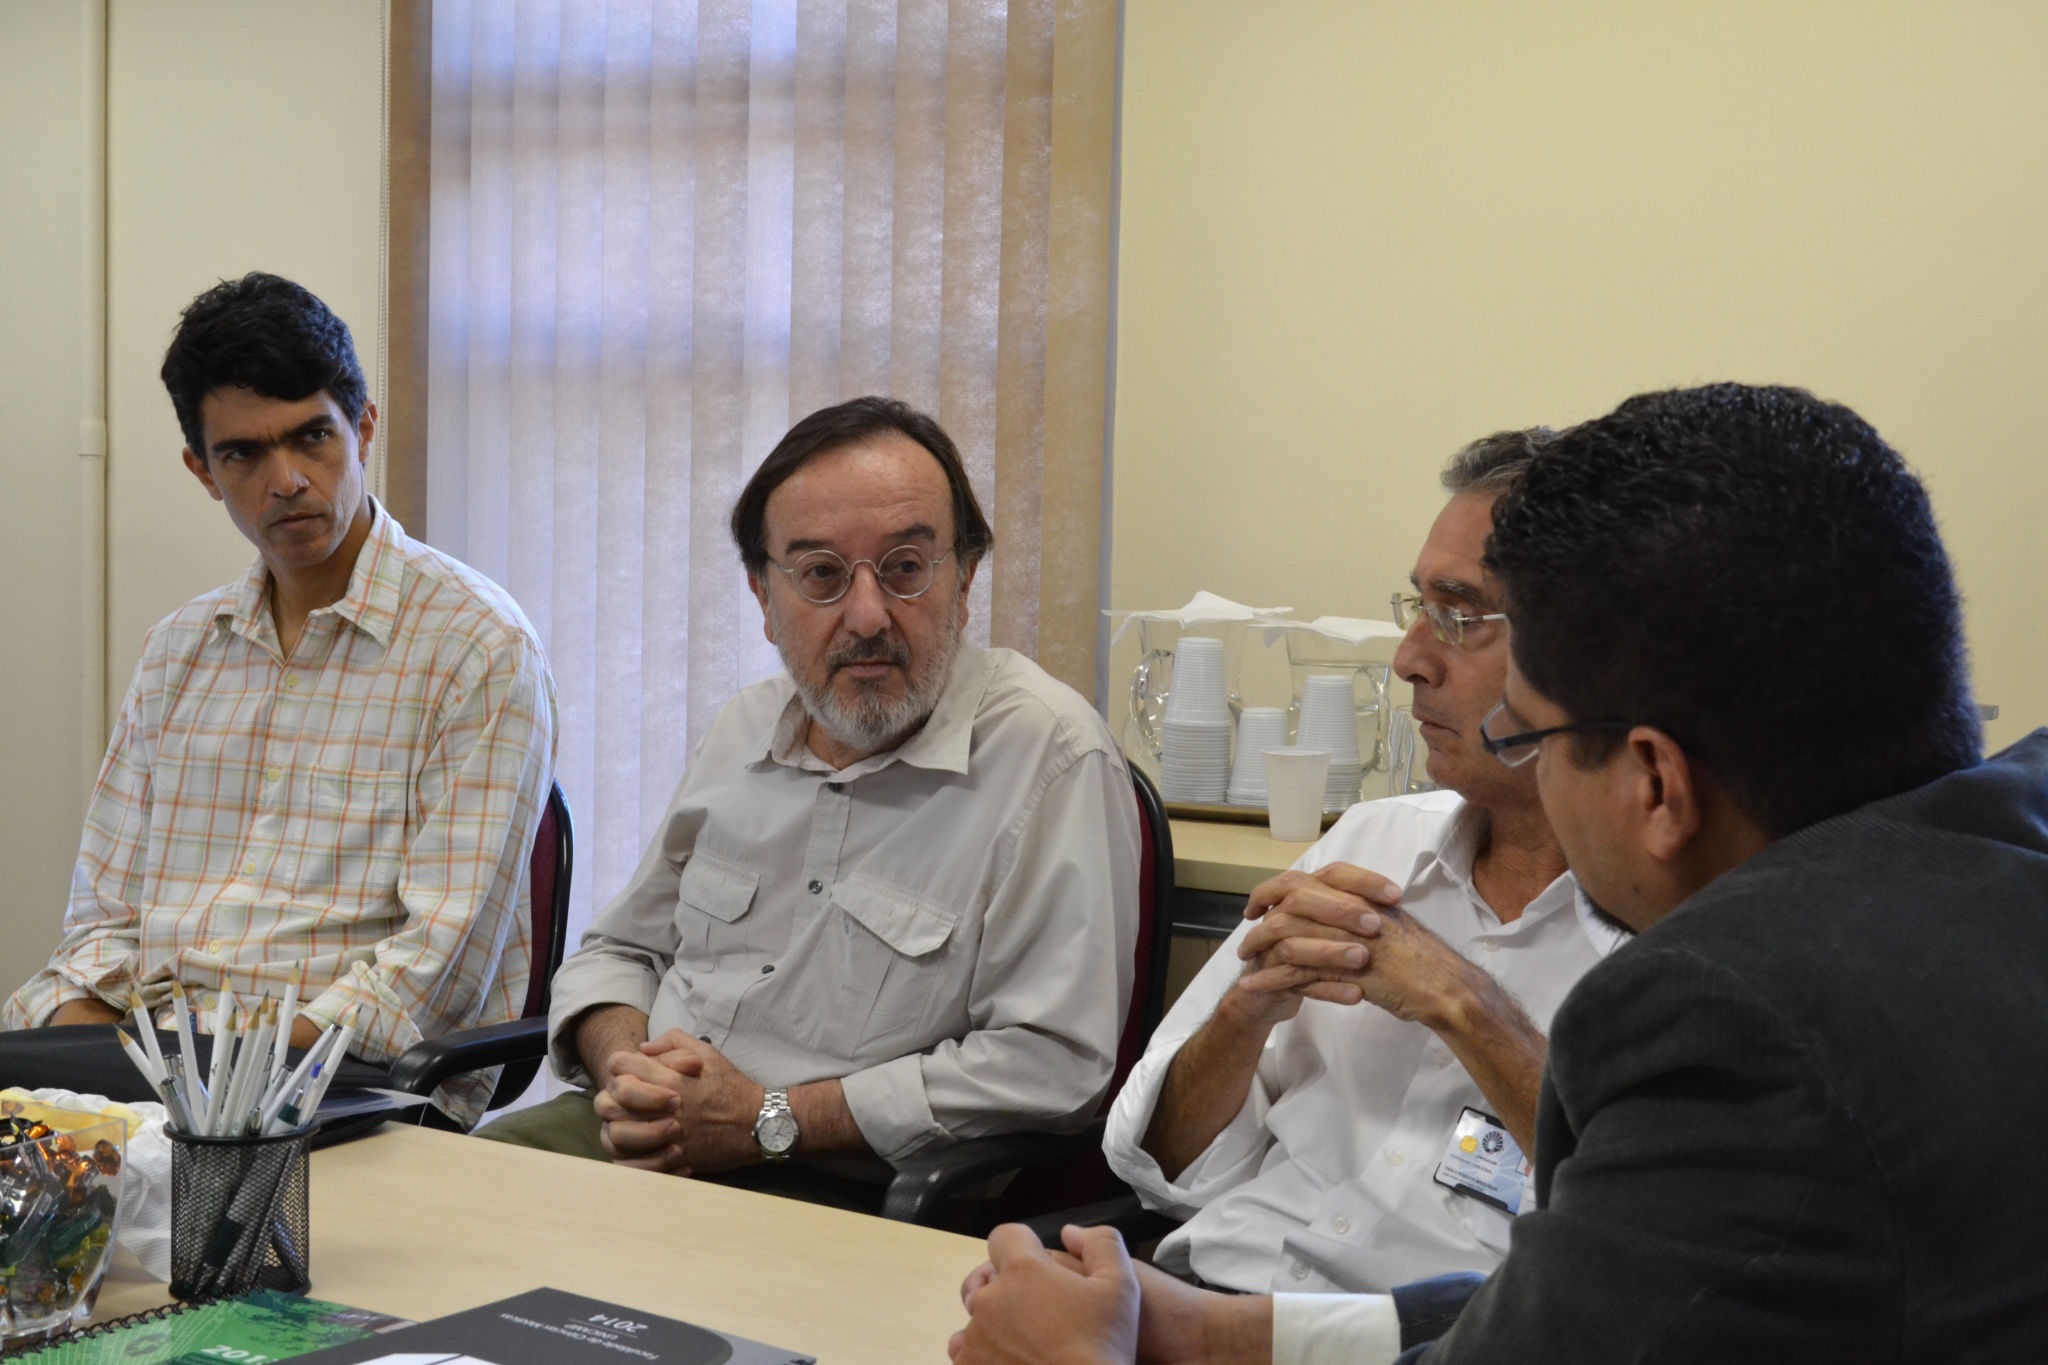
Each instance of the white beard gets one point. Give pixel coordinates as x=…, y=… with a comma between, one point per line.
x=872, y=722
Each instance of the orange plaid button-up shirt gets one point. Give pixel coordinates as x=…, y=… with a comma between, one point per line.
x=366, y=808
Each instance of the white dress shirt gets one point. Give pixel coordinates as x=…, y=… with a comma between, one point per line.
x=1323, y=1182
x=946, y=927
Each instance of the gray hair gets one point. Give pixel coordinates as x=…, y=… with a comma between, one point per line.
x=1492, y=464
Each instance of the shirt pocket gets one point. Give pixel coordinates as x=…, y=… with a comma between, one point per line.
x=714, y=894
x=882, y=950
x=354, y=836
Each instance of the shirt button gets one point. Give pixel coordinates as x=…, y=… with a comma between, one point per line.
x=767, y=969
x=817, y=887
x=272, y=774
x=214, y=947
x=1490, y=946
x=1340, y=1226
x=703, y=1037
x=291, y=681
x=1299, y=1270
x=1397, y=1158
x=835, y=787
x=249, y=868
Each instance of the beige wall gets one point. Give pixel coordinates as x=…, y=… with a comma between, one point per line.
x=1355, y=235
x=49, y=54
x=240, y=134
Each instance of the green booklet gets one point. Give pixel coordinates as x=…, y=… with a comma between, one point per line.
x=251, y=1330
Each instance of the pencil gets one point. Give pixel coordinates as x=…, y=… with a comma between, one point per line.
x=145, y=1028
x=223, y=1049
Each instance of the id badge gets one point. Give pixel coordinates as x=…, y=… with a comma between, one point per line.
x=1482, y=1160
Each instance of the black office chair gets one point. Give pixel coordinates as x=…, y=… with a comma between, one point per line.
x=1058, y=1170
x=519, y=1045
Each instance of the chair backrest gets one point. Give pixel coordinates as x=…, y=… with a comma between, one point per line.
x=1084, y=1177
x=1155, y=927
x=548, y=876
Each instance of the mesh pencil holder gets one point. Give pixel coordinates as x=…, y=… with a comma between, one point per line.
x=239, y=1216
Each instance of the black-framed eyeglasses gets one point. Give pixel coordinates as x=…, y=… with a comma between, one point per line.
x=820, y=576
x=1448, y=624
x=1517, y=749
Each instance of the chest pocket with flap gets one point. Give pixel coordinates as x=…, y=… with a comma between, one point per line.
x=881, y=949
x=719, y=892
x=910, y=926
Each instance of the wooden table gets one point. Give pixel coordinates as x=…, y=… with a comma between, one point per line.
x=422, y=1224
x=1215, y=865
x=1226, y=858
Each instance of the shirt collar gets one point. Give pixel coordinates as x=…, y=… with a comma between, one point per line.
x=1456, y=850
x=943, y=744
x=370, y=604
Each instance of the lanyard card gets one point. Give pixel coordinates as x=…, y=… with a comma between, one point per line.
x=1482, y=1160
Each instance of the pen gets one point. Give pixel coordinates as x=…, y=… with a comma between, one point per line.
x=279, y=1094
x=284, y=1023
x=182, y=1025
x=336, y=1054
x=160, y=1080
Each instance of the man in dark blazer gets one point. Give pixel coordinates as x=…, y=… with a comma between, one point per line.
x=1796, y=1118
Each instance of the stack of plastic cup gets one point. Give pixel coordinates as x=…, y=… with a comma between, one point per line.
x=1258, y=728
x=1194, y=741
x=1329, y=720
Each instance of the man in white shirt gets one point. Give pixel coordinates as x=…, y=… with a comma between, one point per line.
x=894, y=901
x=1365, y=1132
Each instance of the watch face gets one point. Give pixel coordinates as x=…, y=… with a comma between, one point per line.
x=777, y=1132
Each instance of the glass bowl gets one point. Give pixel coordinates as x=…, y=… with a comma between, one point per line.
x=60, y=1199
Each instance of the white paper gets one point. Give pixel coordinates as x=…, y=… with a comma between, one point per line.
x=1352, y=630
x=1202, y=607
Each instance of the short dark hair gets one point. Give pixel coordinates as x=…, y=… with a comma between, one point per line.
x=265, y=333
x=1755, y=572
x=1491, y=464
x=846, y=424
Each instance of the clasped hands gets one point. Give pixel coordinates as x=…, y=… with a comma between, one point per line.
x=1339, y=934
x=1091, y=1305
x=677, y=1105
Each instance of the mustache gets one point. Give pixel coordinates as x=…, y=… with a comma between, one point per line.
x=870, y=649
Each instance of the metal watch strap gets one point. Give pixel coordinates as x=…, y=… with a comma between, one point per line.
x=774, y=1104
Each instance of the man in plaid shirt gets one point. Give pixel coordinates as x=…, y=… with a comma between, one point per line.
x=333, y=767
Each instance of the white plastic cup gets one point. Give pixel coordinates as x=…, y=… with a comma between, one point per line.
x=1260, y=728
x=1295, y=779
x=1329, y=718
x=1200, y=693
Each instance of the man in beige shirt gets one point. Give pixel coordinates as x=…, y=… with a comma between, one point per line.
x=894, y=901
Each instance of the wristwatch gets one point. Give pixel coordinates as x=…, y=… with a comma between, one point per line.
x=775, y=1129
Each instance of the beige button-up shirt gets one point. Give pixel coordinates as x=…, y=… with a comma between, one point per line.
x=947, y=927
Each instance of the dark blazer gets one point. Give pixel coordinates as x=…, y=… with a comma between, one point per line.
x=1805, y=1117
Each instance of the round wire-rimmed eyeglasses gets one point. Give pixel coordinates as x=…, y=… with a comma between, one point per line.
x=821, y=577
